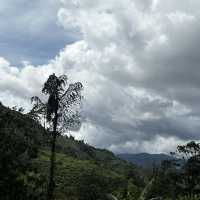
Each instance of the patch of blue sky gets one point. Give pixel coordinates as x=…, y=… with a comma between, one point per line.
x=30, y=31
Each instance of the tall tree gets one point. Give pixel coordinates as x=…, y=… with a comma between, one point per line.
x=61, y=111
x=191, y=155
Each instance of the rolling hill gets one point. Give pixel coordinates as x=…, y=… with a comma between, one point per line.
x=81, y=169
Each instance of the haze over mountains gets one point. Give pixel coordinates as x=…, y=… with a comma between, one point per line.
x=145, y=160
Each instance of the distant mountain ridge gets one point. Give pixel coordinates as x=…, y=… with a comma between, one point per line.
x=145, y=160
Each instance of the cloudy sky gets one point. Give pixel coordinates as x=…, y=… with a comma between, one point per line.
x=139, y=62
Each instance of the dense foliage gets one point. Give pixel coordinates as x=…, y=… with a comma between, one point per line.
x=82, y=172
x=180, y=177
x=19, y=142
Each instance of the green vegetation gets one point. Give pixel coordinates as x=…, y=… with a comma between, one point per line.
x=82, y=172
x=40, y=163
x=20, y=139
x=178, y=178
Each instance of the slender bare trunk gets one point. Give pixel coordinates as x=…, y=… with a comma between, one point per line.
x=51, y=183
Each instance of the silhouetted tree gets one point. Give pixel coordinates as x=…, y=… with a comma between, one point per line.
x=181, y=173
x=191, y=155
x=61, y=111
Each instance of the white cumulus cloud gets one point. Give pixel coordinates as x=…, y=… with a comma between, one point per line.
x=139, y=64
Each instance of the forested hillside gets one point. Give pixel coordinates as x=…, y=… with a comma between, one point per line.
x=82, y=171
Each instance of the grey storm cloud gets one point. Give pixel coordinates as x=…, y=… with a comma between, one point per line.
x=138, y=61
